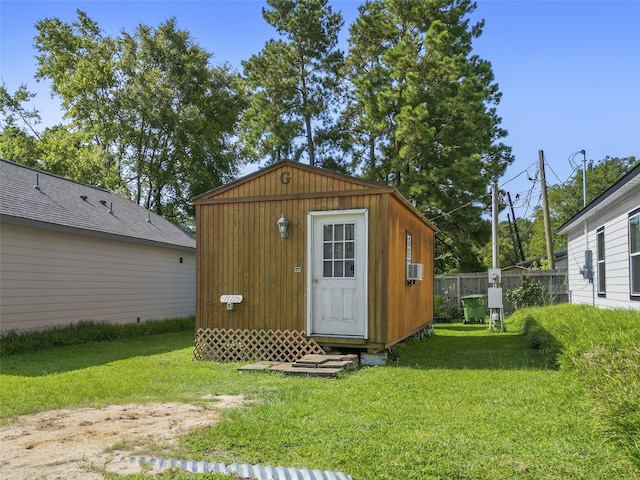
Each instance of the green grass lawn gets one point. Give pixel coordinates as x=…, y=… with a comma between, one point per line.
x=463, y=404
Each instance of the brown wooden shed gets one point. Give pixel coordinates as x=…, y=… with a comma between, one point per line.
x=345, y=275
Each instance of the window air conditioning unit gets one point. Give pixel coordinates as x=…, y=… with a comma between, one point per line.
x=415, y=271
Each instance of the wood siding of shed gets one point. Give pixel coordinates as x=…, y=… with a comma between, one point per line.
x=239, y=251
x=410, y=306
x=53, y=278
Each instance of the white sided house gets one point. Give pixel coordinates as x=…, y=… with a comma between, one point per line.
x=604, y=247
x=70, y=252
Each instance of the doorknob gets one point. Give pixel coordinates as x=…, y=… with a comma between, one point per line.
x=315, y=281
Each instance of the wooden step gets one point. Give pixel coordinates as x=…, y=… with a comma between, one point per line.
x=311, y=365
x=313, y=372
x=342, y=364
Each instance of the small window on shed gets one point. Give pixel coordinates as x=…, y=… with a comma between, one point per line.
x=408, y=247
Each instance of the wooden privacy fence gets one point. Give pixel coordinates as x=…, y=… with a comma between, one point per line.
x=455, y=286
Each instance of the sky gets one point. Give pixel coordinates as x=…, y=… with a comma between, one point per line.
x=568, y=71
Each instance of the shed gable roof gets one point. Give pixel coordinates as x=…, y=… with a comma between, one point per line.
x=62, y=204
x=295, y=179
x=290, y=178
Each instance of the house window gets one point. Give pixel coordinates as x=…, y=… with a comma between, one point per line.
x=408, y=248
x=339, y=250
x=634, y=254
x=602, y=287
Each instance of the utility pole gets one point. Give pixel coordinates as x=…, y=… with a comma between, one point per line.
x=545, y=211
x=515, y=227
x=513, y=240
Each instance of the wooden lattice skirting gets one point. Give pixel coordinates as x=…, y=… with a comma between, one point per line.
x=221, y=345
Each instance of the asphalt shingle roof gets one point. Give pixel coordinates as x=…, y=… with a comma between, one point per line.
x=59, y=202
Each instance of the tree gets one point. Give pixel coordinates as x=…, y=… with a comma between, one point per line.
x=179, y=117
x=71, y=154
x=506, y=244
x=149, y=107
x=57, y=150
x=424, y=111
x=566, y=200
x=295, y=83
x=19, y=139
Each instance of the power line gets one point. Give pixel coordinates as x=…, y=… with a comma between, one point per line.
x=459, y=208
x=526, y=170
x=554, y=173
x=513, y=178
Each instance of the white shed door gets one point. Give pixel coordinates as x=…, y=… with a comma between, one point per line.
x=338, y=273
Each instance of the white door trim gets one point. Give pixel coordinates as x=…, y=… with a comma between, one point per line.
x=363, y=257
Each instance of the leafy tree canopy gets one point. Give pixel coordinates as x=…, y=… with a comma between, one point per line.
x=147, y=115
x=424, y=116
x=296, y=84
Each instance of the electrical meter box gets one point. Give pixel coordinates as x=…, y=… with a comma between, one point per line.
x=587, y=269
x=495, y=275
x=494, y=298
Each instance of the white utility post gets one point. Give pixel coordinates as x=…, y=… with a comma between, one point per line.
x=494, y=294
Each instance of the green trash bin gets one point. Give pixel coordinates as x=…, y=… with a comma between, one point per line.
x=473, y=306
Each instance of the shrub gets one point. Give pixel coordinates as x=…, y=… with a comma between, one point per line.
x=456, y=312
x=439, y=305
x=13, y=342
x=531, y=294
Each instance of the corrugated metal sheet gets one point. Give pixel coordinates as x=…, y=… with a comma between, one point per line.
x=244, y=470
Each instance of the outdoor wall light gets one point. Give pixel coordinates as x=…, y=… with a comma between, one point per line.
x=283, y=223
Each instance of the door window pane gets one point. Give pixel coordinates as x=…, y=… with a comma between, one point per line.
x=327, y=269
x=350, y=268
x=349, y=250
x=350, y=231
x=338, y=250
x=328, y=233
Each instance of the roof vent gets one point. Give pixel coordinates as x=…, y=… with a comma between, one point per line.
x=103, y=202
x=83, y=197
x=111, y=208
x=37, y=185
x=148, y=217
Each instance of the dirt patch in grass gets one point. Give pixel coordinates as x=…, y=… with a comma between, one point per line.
x=76, y=444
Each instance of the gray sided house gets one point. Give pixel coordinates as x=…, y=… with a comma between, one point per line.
x=604, y=247
x=71, y=252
